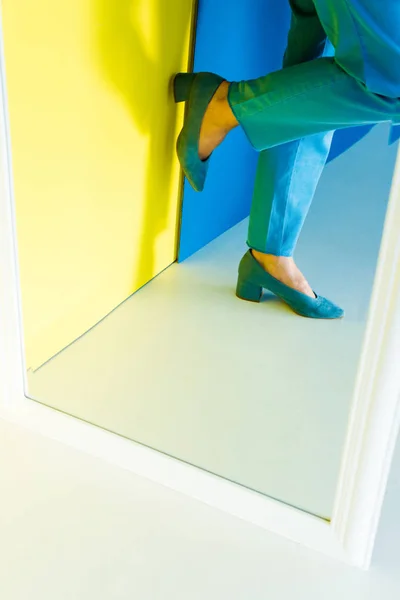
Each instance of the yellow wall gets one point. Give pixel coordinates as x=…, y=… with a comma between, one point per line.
x=93, y=128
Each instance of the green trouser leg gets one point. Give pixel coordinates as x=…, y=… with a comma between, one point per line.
x=310, y=98
x=307, y=99
x=282, y=194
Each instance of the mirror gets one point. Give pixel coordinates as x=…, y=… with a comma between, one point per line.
x=118, y=333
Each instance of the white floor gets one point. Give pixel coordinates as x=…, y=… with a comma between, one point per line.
x=252, y=393
x=75, y=528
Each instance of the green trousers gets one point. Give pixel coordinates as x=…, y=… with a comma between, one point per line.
x=289, y=116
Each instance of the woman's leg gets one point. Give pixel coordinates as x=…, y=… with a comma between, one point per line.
x=306, y=99
x=310, y=98
x=287, y=175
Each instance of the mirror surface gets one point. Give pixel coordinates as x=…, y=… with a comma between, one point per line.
x=119, y=334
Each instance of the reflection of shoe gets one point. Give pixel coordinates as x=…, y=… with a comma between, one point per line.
x=253, y=278
x=197, y=89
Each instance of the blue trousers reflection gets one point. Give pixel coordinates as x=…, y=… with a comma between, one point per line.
x=288, y=117
x=287, y=175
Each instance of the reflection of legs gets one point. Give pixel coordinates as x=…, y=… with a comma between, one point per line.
x=310, y=98
x=287, y=175
x=306, y=99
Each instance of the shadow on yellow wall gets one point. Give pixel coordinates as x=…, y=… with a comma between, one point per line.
x=138, y=56
x=93, y=127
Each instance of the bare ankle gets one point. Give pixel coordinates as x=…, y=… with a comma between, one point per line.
x=264, y=258
x=217, y=122
x=228, y=120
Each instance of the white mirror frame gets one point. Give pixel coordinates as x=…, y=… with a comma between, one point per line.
x=373, y=424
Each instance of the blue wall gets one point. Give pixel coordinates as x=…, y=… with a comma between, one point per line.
x=239, y=40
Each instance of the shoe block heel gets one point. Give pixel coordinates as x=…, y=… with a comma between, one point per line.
x=182, y=84
x=248, y=291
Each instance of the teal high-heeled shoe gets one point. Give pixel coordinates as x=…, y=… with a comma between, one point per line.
x=253, y=279
x=197, y=90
